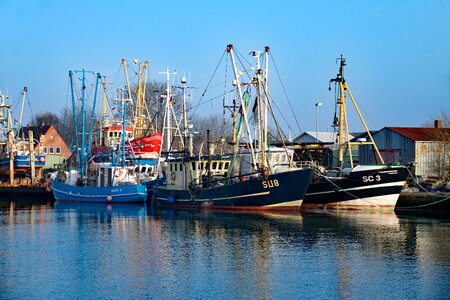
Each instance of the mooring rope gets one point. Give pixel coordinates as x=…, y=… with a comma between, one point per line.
x=428, y=192
x=347, y=192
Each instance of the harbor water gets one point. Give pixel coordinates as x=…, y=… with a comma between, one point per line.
x=88, y=251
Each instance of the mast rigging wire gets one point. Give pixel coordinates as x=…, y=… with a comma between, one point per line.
x=209, y=82
x=285, y=93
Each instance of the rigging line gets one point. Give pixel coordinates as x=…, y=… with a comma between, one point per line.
x=237, y=52
x=270, y=103
x=207, y=101
x=29, y=105
x=285, y=93
x=211, y=78
x=365, y=113
x=239, y=59
x=116, y=75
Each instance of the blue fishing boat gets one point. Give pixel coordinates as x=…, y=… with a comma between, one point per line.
x=130, y=193
x=113, y=180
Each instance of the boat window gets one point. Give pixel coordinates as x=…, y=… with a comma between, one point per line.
x=227, y=164
x=115, y=133
x=201, y=165
x=170, y=166
x=220, y=165
x=214, y=165
x=283, y=157
x=175, y=167
x=193, y=165
x=58, y=150
x=52, y=150
x=120, y=134
x=207, y=165
x=181, y=167
x=110, y=134
x=45, y=150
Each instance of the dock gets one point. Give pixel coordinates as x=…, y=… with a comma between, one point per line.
x=424, y=200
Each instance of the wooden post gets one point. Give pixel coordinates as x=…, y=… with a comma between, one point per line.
x=32, y=165
x=11, y=158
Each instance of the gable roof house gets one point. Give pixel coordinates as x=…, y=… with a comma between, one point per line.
x=428, y=149
x=322, y=147
x=48, y=142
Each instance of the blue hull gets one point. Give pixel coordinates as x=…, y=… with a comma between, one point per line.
x=152, y=184
x=21, y=164
x=114, y=194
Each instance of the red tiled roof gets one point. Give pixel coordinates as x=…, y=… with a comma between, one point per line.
x=421, y=134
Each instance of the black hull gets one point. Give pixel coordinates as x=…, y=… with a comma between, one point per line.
x=378, y=188
x=282, y=192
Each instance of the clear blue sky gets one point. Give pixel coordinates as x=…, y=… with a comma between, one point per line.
x=398, y=52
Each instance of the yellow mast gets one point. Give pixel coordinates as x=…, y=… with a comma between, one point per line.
x=343, y=120
x=105, y=101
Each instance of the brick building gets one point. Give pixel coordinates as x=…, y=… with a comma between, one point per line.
x=48, y=142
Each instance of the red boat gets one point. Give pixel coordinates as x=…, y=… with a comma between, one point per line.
x=148, y=146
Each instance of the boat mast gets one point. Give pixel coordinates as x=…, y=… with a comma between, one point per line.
x=243, y=110
x=343, y=87
x=125, y=67
x=169, y=114
x=183, y=87
x=83, y=150
x=266, y=99
x=139, y=129
x=257, y=83
x=25, y=91
x=105, y=102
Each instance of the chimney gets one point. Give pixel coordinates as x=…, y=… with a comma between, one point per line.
x=437, y=123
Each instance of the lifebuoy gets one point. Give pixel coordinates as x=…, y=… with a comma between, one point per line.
x=173, y=176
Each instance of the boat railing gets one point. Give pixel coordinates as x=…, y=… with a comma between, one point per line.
x=307, y=164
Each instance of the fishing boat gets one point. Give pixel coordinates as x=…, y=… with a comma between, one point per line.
x=18, y=158
x=354, y=186
x=112, y=180
x=231, y=181
x=142, y=142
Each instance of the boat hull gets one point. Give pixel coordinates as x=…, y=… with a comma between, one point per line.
x=362, y=189
x=279, y=192
x=147, y=146
x=21, y=165
x=115, y=194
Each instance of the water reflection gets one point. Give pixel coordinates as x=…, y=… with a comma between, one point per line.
x=167, y=253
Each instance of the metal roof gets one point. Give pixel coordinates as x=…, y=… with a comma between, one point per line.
x=421, y=134
x=324, y=137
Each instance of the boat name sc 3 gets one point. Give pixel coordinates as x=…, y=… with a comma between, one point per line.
x=371, y=178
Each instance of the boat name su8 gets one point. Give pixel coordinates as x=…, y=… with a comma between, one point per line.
x=270, y=183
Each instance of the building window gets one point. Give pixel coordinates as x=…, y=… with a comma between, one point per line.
x=52, y=150
x=58, y=150
x=45, y=150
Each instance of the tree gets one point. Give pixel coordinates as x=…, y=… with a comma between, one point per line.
x=46, y=118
